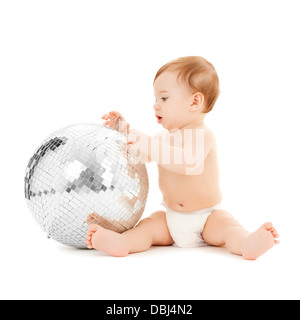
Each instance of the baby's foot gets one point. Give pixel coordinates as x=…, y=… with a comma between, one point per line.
x=260, y=241
x=94, y=218
x=89, y=236
x=108, y=241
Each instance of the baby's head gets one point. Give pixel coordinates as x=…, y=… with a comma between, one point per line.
x=185, y=90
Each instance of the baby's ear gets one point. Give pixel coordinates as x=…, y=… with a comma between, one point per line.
x=198, y=101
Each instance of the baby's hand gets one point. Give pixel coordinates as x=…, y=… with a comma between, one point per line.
x=138, y=143
x=116, y=121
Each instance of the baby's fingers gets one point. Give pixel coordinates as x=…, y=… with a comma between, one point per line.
x=110, y=120
x=111, y=115
x=105, y=116
x=115, y=113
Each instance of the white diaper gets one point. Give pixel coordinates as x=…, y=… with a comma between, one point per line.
x=186, y=227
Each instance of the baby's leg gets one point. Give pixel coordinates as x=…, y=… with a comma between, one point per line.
x=222, y=229
x=150, y=231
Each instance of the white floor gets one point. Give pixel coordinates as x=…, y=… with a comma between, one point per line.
x=50, y=271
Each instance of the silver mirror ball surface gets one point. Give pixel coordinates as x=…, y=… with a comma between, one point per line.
x=83, y=174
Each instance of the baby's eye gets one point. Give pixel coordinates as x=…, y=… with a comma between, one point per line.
x=164, y=98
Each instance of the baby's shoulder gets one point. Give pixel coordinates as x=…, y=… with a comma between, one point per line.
x=210, y=141
x=209, y=134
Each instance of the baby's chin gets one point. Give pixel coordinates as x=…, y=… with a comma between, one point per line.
x=171, y=127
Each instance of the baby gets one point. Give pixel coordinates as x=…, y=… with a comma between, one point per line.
x=186, y=89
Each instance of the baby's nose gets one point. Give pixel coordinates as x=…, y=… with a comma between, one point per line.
x=156, y=107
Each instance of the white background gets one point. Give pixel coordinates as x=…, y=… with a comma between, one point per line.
x=65, y=62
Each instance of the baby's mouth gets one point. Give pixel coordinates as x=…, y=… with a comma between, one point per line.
x=159, y=119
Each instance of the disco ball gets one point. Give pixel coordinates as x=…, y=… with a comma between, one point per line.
x=84, y=174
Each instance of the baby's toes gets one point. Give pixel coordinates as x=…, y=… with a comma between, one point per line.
x=91, y=218
x=89, y=246
x=90, y=234
x=275, y=234
x=94, y=228
x=88, y=243
x=89, y=237
x=268, y=226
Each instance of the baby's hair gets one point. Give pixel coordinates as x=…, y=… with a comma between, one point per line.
x=199, y=74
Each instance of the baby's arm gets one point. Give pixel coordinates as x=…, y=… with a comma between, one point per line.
x=174, y=152
x=181, y=153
